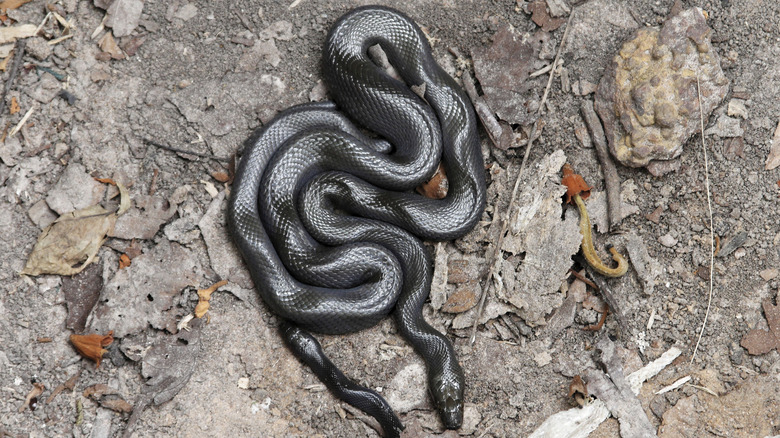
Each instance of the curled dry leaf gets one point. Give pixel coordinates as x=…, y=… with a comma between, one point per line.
x=14, y=107
x=124, y=261
x=12, y=4
x=204, y=296
x=437, y=186
x=71, y=243
x=108, y=398
x=579, y=390
x=91, y=346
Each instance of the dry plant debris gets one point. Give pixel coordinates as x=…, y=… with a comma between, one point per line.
x=759, y=341
x=92, y=346
x=71, y=243
x=81, y=292
x=204, y=296
x=773, y=159
x=31, y=400
x=108, y=398
x=503, y=71
x=648, y=100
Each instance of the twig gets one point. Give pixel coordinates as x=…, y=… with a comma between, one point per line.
x=183, y=151
x=611, y=178
x=20, y=45
x=22, y=122
x=709, y=209
x=495, y=257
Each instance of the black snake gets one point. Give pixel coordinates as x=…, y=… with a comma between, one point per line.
x=324, y=217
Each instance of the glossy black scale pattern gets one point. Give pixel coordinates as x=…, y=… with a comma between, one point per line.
x=324, y=215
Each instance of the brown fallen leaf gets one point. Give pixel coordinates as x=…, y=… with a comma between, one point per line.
x=204, y=296
x=91, y=346
x=108, y=45
x=578, y=390
x=12, y=33
x=108, y=398
x=14, y=107
x=124, y=261
x=220, y=176
x=71, y=243
x=758, y=341
x=12, y=4
x=437, y=186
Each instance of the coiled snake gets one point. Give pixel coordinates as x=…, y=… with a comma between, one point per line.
x=324, y=217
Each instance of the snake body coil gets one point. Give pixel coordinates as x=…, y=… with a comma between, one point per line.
x=324, y=217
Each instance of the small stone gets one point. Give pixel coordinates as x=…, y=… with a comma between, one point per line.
x=75, y=190
x=38, y=48
x=667, y=240
x=769, y=274
x=41, y=214
x=186, y=12
x=726, y=127
x=655, y=216
x=737, y=108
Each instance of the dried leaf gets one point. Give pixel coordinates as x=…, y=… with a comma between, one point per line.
x=69, y=384
x=220, y=176
x=14, y=107
x=759, y=341
x=503, y=71
x=108, y=45
x=91, y=346
x=71, y=243
x=437, y=186
x=13, y=4
x=81, y=293
x=578, y=390
x=204, y=296
x=11, y=33
x=773, y=160
x=108, y=397
x=124, y=261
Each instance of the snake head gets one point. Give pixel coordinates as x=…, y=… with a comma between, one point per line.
x=448, y=395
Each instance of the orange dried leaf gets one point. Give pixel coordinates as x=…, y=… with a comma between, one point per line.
x=124, y=261
x=204, y=295
x=220, y=176
x=106, y=181
x=436, y=187
x=91, y=346
x=14, y=107
x=13, y=4
x=575, y=184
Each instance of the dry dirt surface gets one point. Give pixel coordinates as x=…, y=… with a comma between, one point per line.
x=102, y=85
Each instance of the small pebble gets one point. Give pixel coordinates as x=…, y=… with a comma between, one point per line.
x=667, y=240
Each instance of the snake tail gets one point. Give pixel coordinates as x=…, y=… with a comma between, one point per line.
x=309, y=351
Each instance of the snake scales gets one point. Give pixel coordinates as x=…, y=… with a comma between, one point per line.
x=324, y=216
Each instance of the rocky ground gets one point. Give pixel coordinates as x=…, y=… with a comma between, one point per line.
x=102, y=89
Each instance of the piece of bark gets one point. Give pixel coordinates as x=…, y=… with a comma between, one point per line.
x=608, y=169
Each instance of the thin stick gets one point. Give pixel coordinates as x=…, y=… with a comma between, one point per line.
x=183, y=151
x=611, y=178
x=19, y=50
x=709, y=208
x=496, y=255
